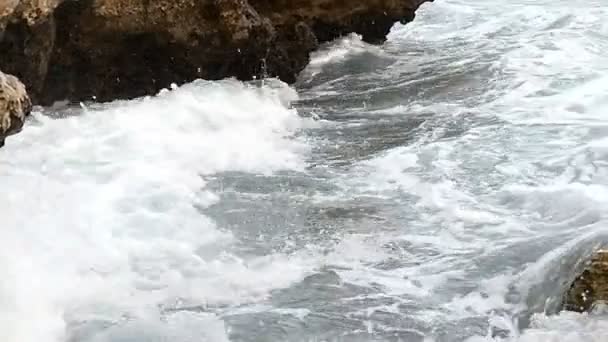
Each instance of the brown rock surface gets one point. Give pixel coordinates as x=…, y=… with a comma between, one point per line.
x=15, y=105
x=591, y=286
x=65, y=49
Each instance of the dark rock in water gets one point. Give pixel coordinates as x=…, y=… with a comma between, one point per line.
x=590, y=288
x=107, y=49
x=15, y=105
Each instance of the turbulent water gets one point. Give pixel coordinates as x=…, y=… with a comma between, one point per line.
x=438, y=188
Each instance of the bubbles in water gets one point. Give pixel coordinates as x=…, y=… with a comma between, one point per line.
x=100, y=223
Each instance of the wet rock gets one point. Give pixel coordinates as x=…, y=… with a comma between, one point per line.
x=590, y=288
x=107, y=49
x=15, y=105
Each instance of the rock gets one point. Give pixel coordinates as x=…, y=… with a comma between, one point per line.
x=27, y=37
x=15, y=105
x=108, y=49
x=591, y=286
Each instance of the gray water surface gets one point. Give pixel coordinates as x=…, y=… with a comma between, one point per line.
x=457, y=156
x=441, y=187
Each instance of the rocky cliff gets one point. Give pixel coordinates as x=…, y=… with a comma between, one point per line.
x=106, y=49
x=15, y=105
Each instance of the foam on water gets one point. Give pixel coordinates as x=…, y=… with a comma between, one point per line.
x=566, y=327
x=497, y=200
x=501, y=191
x=100, y=224
x=336, y=52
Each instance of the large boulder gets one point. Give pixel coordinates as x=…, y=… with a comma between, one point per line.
x=591, y=286
x=106, y=49
x=15, y=105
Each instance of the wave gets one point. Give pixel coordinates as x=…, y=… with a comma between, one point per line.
x=101, y=224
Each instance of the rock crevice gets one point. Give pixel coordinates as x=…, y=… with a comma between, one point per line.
x=108, y=49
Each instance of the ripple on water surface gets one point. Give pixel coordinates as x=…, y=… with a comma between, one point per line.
x=441, y=187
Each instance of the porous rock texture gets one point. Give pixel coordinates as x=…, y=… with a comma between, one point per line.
x=15, y=105
x=108, y=49
x=591, y=286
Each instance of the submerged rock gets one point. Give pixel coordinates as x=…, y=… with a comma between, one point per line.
x=111, y=49
x=590, y=288
x=15, y=105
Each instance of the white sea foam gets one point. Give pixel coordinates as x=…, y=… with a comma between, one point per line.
x=493, y=192
x=100, y=227
x=336, y=52
x=99, y=217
